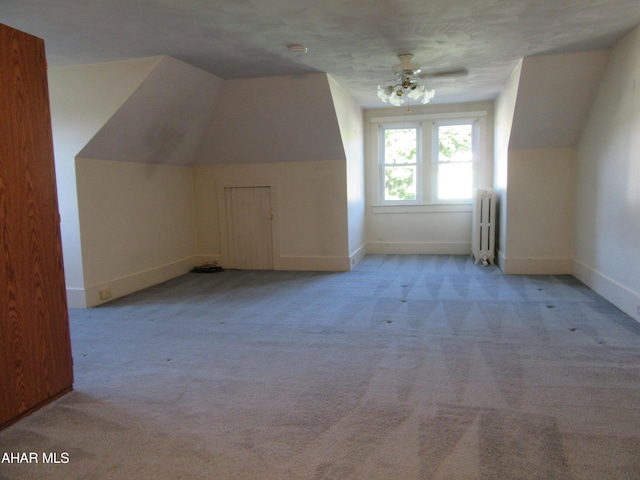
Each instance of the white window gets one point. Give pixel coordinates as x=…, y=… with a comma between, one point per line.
x=399, y=166
x=454, y=153
x=432, y=160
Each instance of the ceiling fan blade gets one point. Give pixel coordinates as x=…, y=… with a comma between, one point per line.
x=451, y=73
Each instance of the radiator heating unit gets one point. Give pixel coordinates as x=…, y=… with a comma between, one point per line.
x=484, y=226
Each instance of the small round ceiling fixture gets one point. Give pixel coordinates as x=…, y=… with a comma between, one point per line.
x=297, y=48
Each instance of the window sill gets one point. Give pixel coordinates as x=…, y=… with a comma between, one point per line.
x=422, y=208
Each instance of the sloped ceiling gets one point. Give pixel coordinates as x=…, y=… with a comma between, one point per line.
x=554, y=95
x=181, y=115
x=273, y=119
x=163, y=121
x=355, y=41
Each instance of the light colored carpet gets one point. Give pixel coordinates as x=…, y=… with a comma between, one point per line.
x=409, y=367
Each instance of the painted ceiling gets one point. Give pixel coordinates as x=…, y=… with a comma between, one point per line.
x=355, y=41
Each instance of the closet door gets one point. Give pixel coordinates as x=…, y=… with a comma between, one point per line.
x=249, y=235
x=35, y=350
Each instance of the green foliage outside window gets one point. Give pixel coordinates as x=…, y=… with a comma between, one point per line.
x=400, y=155
x=455, y=154
x=400, y=183
x=455, y=143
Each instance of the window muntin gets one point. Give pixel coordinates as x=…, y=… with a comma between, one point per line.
x=400, y=163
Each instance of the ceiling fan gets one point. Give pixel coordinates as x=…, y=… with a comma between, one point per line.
x=407, y=84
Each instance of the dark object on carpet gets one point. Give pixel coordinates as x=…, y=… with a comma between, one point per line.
x=208, y=268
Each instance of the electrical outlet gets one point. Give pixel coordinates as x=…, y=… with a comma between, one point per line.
x=105, y=293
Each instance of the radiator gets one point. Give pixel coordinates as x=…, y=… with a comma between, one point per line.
x=484, y=226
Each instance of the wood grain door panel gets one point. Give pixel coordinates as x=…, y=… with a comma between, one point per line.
x=35, y=350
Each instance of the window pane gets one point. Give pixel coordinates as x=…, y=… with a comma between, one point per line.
x=400, y=145
x=400, y=183
x=455, y=181
x=454, y=143
x=455, y=162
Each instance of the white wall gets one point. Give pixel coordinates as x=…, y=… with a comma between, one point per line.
x=350, y=120
x=138, y=225
x=128, y=137
x=83, y=98
x=419, y=231
x=552, y=98
x=607, y=240
x=428, y=229
x=310, y=214
x=540, y=203
x=504, y=110
x=281, y=132
x=158, y=115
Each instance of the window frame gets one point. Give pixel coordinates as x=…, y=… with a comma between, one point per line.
x=427, y=183
x=382, y=165
x=435, y=158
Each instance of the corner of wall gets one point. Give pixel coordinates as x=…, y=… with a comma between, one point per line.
x=350, y=119
x=535, y=266
x=83, y=98
x=618, y=294
x=607, y=206
x=358, y=256
x=76, y=298
x=119, y=287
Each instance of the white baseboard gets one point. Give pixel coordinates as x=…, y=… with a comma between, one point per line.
x=618, y=294
x=317, y=264
x=119, y=287
x=76, y=298
x=419, y=248
x=357, y=256
x=535, y=266
x=500, y=258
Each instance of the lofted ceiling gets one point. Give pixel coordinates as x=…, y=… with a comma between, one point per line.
x=355, y=41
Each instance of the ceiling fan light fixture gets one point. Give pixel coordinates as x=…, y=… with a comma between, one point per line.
x=396, y=100
x=421, y=91
x=408, y=86
x=384, y=92
x=406, y=65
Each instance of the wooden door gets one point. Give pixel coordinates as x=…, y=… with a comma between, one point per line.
x=35, y=350
x=249, y=235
